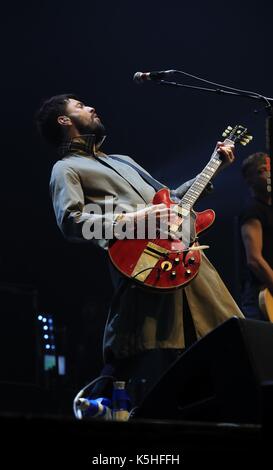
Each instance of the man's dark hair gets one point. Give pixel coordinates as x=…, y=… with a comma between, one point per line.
x=47, y=115
x=251, y=163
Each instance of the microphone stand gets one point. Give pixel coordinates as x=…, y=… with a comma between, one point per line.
x=243, y=94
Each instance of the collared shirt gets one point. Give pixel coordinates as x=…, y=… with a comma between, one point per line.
x=81, y=145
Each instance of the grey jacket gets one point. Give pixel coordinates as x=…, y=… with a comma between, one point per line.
x=78, y=180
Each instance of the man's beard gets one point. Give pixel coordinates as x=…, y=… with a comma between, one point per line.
x=95, y=128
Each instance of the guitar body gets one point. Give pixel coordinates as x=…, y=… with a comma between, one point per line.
x=163, y=263
x=266, y=304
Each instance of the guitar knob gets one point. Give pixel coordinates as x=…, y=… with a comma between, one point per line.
x=173, y=275
x=188, y=272
x=166, y=266
x=191, y=260
x=176, y=260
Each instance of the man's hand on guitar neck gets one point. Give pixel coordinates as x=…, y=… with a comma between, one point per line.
x=227, y=155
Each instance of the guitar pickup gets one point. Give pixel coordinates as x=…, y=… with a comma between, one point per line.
x=155, y=250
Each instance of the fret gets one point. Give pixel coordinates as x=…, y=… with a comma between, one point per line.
x=202, y=178
x=195, y=192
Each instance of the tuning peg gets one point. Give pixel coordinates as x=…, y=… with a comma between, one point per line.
x=246, y=139
x=227, y=131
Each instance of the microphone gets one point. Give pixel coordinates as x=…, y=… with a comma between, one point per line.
x=141, y=77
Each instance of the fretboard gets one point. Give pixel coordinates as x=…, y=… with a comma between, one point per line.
x=201, y=181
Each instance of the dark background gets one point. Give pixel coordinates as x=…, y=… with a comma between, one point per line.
x=93, y=48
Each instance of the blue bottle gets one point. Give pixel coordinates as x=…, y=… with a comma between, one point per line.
x=121, y=404
x=99, y=408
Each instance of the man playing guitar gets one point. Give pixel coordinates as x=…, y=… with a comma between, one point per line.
x=145, y=330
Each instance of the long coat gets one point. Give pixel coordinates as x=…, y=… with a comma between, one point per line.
x=138, y=319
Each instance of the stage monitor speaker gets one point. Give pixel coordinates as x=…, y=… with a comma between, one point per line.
x=225, y=376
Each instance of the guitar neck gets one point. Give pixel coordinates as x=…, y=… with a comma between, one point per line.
x=235, y=134
x=201, y=181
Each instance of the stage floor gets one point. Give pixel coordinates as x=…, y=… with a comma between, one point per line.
x=32, y=440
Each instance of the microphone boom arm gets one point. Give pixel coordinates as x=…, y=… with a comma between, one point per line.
x=219, y=91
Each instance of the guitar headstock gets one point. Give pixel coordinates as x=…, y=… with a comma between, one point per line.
x=237, y=134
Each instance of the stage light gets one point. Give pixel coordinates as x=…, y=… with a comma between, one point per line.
x=51, y=354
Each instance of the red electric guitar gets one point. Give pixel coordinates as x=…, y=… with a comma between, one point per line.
x=167, y=263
